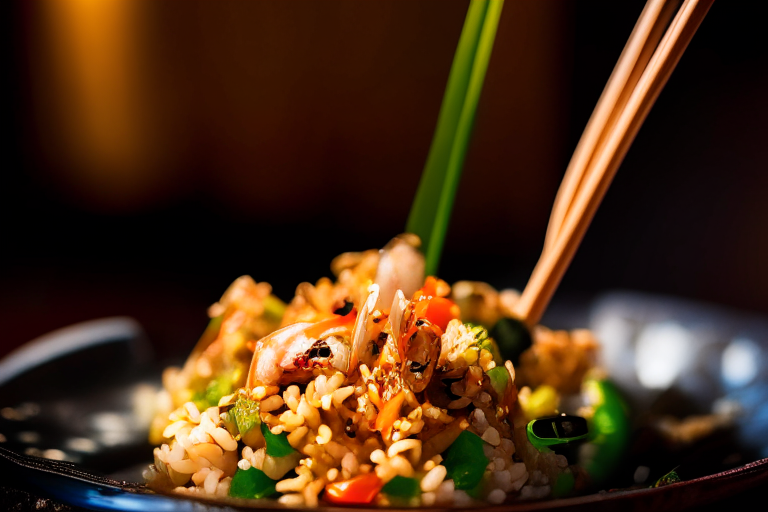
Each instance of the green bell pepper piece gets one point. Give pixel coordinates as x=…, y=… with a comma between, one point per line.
x=499, y=379
x=513, y=338
x=251, y=483
x=402, y=487
x=277, y=445
x=563, y=485
x=609, y=428
x=465, y=461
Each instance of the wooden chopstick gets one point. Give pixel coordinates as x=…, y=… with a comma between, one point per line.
x=633, y=60
x=598, y=175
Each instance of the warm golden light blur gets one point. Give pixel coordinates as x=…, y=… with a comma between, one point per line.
x=98, y=97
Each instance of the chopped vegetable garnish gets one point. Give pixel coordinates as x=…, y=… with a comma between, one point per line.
x=542, y=402
x=216, y=389
x=251, y=483
x=485, y=342
x=563, y=485
x=359, y=490
x=465, y=461
x=277, y=445
x=554, y=430
x=513, y=338
x=609, y=428
x=438, y=310
x=670, y=478
x=402, y=487
x=499, y=379
x=390, y=412
x=245, y=412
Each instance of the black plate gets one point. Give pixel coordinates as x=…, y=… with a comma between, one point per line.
x=73, y=394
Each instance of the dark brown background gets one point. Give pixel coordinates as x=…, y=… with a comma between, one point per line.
x=158, y=150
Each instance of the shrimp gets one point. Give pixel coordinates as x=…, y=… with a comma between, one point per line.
x=401, y=267
x=362, y=348
x=420, y=346
x=293, y=353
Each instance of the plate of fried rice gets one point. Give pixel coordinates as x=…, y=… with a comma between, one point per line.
x=386, y=387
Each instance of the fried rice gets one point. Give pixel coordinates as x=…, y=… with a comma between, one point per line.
x=381, y=387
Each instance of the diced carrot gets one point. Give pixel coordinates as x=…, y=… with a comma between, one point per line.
x=390, y=412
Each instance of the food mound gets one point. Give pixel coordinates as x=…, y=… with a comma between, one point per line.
x=383, y=387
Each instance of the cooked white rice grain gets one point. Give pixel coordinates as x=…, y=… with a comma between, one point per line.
x=176, y=453
x=293, y=484
x=444, y=493
x=198, y=435
x=350, y=464
x=496, y=496
x=224, y=439
x=433, y=479
x=257, y=459
x=461, y=498
x=414, y=445
x=334, y=383
x=173, y=428
x=385, y=472
x=478, y=420
x=336, y=450
x=212, y=481
x=401, y=466
x=192, y=412
x=291, y=420
x=491, y=436
x=209, y=451
x=518, y=470
x=320, y=385
x=342, y=394
x=291, y=500
x=532, y=492
x=324, y=434
x=207, y=424
x=222, y=490
x=272, y=403
x=185, y=466
x=508, y=446
x=199, y=476
x=310, y=413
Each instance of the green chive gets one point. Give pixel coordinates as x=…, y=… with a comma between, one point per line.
x=431, y=209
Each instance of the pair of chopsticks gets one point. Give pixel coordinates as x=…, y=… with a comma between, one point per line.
x=647, y=61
